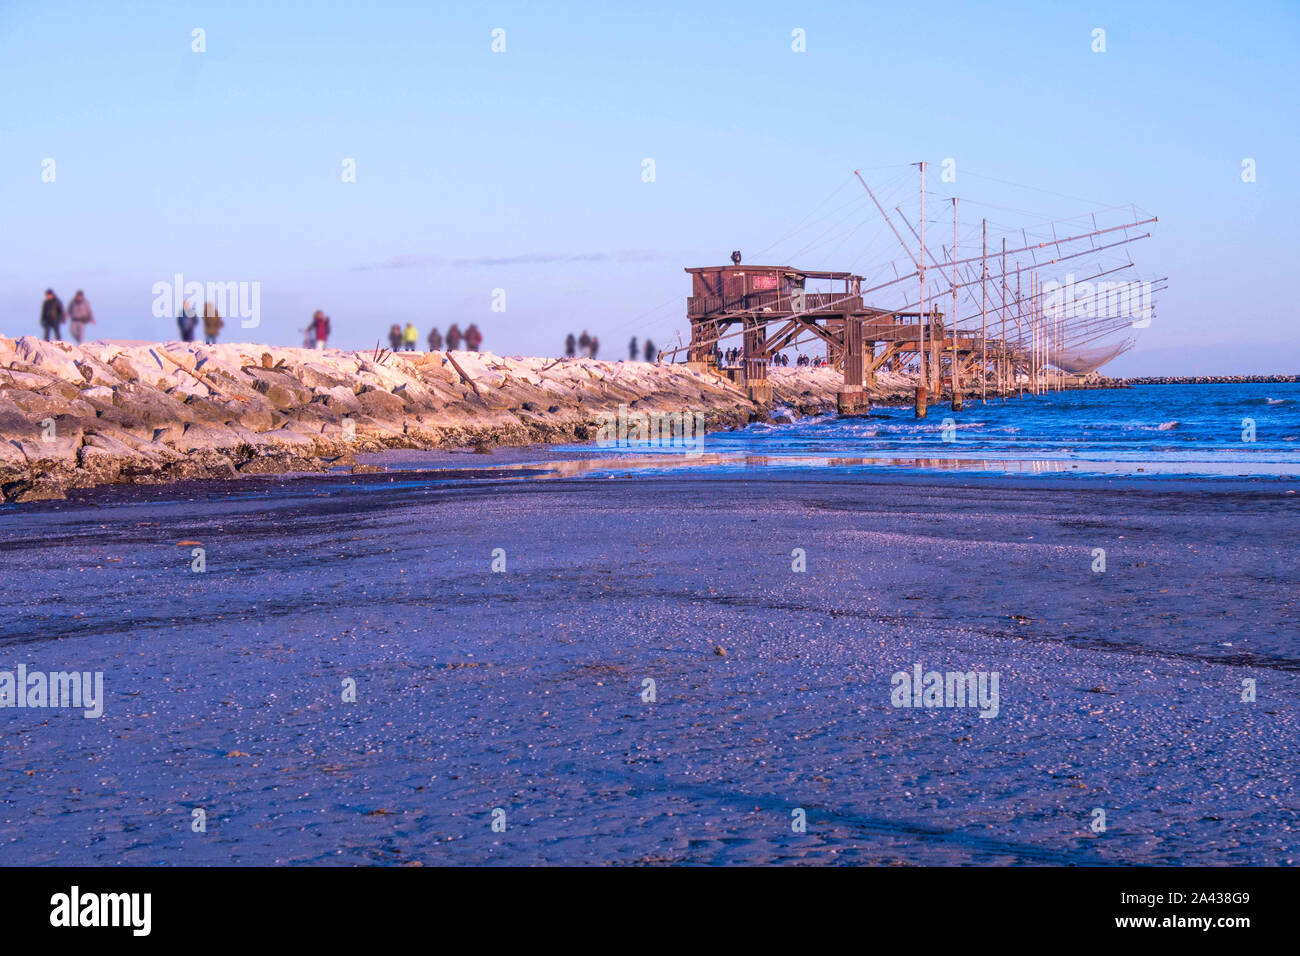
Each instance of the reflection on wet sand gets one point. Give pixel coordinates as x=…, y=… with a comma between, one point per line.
x=631, y=462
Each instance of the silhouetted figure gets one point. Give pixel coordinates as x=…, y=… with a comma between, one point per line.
x=649, y=351
x=79, y=316
x=453, y=337
x=473, y=338
x=212, y=323
x=51, y=315
x=187, y=321
x=570, y=345
x=395, y=338
x=584, y=342
x=632, y=350
x=595, y=346
x=435, y=340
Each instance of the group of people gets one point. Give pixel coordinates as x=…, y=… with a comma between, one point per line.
x=404, y=339
x=187, y=320
x=78, y=315
x=589, y=344
x=732, y=358
x=650, y=355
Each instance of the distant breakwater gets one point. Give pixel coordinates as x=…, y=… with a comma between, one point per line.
x=1206, y=380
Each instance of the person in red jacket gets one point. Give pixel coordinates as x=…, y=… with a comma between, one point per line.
x=320, y=328
x=473, y=338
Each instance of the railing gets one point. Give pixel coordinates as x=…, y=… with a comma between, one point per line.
x=698, y=306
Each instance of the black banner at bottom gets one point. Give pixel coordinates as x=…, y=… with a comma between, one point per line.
x=336, y=905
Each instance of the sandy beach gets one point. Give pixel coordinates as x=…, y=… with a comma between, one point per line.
x=523, y=690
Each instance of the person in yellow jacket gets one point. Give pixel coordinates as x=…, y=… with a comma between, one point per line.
x=409, y=337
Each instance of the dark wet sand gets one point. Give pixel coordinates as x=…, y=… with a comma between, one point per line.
x=522, y=690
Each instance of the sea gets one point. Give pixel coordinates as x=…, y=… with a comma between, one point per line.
x=1219, y=430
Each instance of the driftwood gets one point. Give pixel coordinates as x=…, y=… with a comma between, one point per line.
x=460, y=371
x=198, y=375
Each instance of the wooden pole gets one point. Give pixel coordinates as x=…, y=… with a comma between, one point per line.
x=1002, y=385
x=1033, y=340
x=923, y=384
x=952, y=319
x=984, y=313
x=1020, y=330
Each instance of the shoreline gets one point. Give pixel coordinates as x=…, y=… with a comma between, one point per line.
x=104, y=413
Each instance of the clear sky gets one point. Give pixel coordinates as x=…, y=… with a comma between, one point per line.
x=522, y=170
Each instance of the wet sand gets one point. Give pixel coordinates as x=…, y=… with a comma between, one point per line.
x=522, y=690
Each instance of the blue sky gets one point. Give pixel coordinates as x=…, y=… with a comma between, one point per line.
x=522, y=170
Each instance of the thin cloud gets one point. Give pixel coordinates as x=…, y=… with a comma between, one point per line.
x=535, y=258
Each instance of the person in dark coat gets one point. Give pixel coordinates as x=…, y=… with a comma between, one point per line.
x=51, y=315
x=584, y=342
x=649, y=351
x=473, y=337
x=187, y=321
x=435, y=340
x=632, y=350
x=570, y=346
x=395, y=338
x=453, y=337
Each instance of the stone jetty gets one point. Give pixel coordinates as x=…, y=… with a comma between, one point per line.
x=107, y=412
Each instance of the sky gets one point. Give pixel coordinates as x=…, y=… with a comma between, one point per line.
x=511, y=187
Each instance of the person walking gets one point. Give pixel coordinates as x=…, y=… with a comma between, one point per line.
x=212, y=323
x=410, y=336
x=595, y=346
x=570, y=346
x=320, y=328
x=435, y=340
x=584, y=342
x=632, y=350
x=453, y=337
x=395, y=337
x=649, y=351
x=187, y=321
x=51, y=315
x=473, y=338
x=79, y=316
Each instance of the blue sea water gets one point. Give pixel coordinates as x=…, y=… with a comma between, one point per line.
x=1237, y=429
